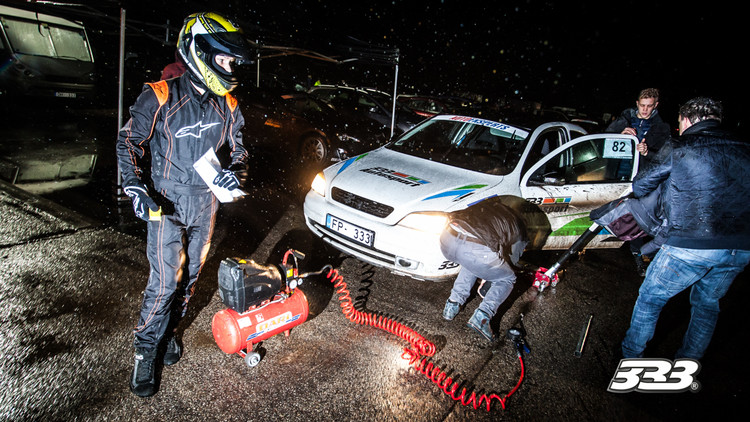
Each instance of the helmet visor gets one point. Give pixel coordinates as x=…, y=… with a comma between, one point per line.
x=230, y=43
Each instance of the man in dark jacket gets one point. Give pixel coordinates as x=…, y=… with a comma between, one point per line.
x=643, y=122
x=487, y=239
x=179, y=120
x=706, y=183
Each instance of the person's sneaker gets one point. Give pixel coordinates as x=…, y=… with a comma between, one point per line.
x=143, y=379
x=451, y=310
x=480, y=322
x=174, y=351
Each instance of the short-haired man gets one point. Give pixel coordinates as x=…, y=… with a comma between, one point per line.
x=643, y=122
x=706, y=183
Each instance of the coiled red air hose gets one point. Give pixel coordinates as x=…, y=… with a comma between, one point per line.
x=421, y=348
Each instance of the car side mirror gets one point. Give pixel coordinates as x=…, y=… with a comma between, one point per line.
x=547, y=179
x=554, y=181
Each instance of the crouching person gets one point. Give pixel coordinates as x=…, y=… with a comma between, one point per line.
x=487, y=240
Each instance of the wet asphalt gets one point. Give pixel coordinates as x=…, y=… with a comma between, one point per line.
x=70, y=290
x=73, y=268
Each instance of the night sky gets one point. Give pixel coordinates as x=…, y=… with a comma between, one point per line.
x=584, y=54
x=590, y=55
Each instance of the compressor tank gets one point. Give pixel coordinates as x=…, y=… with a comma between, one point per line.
x=235, y=331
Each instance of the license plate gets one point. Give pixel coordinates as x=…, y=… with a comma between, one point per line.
x=352, y=231
x=65, y=94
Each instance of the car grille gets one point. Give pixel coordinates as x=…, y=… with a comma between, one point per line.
x=362, y=204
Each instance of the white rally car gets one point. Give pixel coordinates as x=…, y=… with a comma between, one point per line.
x=388, y=207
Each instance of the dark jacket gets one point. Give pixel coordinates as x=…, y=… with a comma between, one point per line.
x=654, y=130
x=631, y=218
x=498, y=226
x=178, y=125
x=706, y=190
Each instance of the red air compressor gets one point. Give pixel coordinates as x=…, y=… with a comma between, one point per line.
x=262, y=301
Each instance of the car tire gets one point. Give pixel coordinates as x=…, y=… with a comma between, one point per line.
x=314, y=149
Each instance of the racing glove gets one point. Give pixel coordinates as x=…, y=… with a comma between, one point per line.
x=227, y=179
x=141, y=201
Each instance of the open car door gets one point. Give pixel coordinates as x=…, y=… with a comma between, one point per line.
x=575, y=178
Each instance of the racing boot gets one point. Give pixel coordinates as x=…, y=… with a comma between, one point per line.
x=143, y=379
x=480, y=322
x=174, y=351
x=451, y=310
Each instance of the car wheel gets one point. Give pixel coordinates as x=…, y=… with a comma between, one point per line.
x=313, y=149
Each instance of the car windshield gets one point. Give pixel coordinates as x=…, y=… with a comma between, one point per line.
x=465, y=142
x=304, y=103
x=45, y=39
x=383, y=99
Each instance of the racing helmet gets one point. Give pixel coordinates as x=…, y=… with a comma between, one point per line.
x=204, y=36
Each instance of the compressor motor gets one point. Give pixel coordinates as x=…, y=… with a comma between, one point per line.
x=261, y=300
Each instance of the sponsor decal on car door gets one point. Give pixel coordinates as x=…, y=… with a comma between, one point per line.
x=576, y=178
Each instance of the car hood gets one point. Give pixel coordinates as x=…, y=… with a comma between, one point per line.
x=409, y=184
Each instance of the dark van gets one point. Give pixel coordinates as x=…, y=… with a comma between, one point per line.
x=43, y=55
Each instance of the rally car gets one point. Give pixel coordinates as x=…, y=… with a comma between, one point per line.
x=388, y=207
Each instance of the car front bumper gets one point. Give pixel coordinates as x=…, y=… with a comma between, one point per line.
x=402, y=250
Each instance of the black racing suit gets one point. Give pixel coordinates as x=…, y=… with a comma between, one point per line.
x=178, y=125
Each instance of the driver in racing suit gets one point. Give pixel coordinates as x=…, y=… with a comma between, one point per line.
x=178, y=120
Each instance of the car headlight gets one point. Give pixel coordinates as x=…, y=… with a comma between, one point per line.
x=319, y=184
x=428, y=222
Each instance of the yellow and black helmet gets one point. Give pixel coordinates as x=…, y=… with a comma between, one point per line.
x=202, y=38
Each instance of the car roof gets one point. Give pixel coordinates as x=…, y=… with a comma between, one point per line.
x=353, y=88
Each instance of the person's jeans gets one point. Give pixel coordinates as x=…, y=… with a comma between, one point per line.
x=477, y=261
x=709, y=273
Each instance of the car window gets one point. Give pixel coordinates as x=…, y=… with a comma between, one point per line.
x=472, y=144
x=323, y=94
x=306, y=104
x=340, y=99
x=544, y=143
x=363, y=100
x=434, y=107
x=599, y=160
x=425, y=105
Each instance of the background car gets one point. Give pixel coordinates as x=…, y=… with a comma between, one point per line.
x=388, y=207
x=429, y=106
x=44, y=56
x=305, y=127
x=372, y=104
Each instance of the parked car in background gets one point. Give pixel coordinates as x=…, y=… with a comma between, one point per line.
x=43, y=55
x=376, y=106
x=581, y=119
x=429, y=106
x=388, y=207
x=305, y=127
